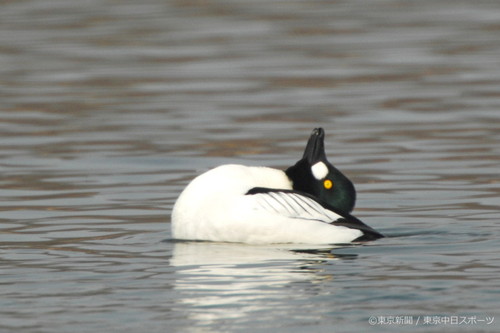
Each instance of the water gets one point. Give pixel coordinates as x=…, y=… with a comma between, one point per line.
x=109, y=108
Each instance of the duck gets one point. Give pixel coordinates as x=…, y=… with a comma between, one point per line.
x=308, y=203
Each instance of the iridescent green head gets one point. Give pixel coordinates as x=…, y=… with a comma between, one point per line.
x=316, y=176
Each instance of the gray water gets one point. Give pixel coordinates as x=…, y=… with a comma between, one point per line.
x=109, y=108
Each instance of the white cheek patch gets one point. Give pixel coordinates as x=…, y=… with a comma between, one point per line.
x=319, y=170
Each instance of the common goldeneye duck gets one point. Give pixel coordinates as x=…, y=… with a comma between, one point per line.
x=310, y=202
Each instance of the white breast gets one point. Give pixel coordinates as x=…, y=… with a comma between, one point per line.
x=206, y=201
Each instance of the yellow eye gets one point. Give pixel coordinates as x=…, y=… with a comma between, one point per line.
x=328, y=184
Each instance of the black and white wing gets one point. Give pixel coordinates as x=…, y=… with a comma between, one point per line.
x=299, y=205
x=292, y=204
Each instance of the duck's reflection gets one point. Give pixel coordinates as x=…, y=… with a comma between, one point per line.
x=218, y=282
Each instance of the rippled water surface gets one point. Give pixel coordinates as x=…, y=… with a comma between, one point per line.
x=109, y=108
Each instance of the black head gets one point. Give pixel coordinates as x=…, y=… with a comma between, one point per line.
x=314, y=175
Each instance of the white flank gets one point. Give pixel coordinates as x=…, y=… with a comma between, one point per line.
x=215, y=207
x=319, y=170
